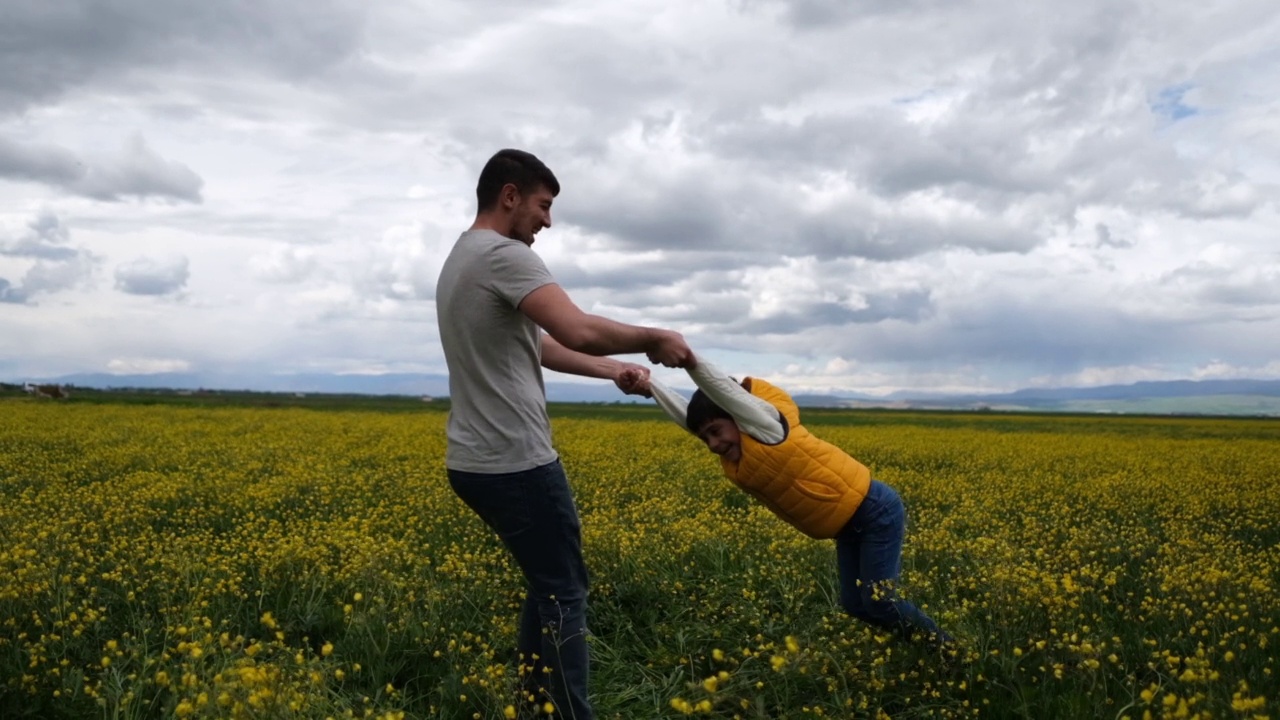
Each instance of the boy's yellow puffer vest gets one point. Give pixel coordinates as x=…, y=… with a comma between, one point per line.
x=811, y=484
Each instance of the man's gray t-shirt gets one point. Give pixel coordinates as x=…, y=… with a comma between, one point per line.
x=498, y=419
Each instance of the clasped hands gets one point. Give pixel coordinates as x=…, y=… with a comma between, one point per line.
x=669, y=349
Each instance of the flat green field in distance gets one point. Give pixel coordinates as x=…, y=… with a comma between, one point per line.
x=264, y=558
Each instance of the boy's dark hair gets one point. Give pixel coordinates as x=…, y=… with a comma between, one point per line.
x=701, y=411
x=518, y=168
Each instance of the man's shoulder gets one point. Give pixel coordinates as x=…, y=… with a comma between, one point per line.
x=498, y=247
x=486, y=247
x=486, y=238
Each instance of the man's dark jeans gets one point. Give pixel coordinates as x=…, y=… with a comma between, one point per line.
x=869, y=557
x=534, y=515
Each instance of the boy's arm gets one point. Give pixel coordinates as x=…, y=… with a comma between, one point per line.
x=671, y=402
x=755, y=416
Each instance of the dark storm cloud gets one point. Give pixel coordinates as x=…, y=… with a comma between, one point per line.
x=746, y=214
x=57, y=265
x=139, y=172
x=1106, y=239
x=1216, y=285
x=51, y=276
x=45, y=239
x=908, y=307
x=147, y=276
x=10, y=294
x=48, y=49
x=880, y=148
x=40, y=163
x=1057, y=126
x=871, y=235
x=639, y=274
x=1041, y=335
x=838, y=153
x=136, y=171
x=818, y=15
x=674, y=213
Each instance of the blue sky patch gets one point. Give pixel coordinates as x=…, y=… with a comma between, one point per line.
x=1169, y=103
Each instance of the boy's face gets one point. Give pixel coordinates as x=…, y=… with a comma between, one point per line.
x=722, y=438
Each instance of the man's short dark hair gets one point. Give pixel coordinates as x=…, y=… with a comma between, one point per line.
x=701, y=410
x=518, y=168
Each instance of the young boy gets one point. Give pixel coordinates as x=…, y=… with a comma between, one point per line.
x=755, y=429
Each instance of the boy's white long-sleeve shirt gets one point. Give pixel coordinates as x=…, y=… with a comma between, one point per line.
x=754, y=416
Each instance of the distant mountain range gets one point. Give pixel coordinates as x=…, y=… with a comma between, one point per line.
x=1229, y=397
x=1205, y=397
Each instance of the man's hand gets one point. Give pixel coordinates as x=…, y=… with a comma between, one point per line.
x=632, y=379
x=669, y=348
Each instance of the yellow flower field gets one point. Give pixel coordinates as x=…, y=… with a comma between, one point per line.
x=200, y=562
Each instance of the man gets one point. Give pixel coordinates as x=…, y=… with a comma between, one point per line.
x=493, y=295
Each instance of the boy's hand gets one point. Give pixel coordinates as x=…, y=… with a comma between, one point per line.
x=633, y=379
x=669, y=348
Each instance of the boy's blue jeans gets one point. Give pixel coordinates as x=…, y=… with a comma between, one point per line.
x=869, y=557
x=534, y=515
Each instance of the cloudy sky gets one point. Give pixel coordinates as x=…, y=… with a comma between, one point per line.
x=863, y=196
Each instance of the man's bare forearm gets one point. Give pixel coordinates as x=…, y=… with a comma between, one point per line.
x=559, y=358
x=553, y=311
x=597, y=335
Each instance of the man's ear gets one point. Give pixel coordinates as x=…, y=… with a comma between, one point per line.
x=510, y=196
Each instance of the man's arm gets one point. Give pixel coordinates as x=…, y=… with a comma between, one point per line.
x=552, y=309
x=627, y=376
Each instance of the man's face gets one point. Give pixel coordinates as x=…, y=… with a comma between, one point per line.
x=722, y=438
x=531, y=213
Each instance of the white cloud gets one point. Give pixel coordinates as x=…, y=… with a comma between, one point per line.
x=284, y=264
x=149, y=276
x=45, y=238
x=841, y=192
x=52, y=264
x=146, y=366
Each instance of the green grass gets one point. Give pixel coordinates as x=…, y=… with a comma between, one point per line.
x=1047, y=542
